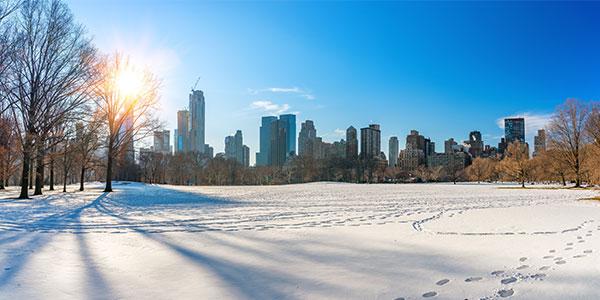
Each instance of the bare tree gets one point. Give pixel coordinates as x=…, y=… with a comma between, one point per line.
x=127, y=99
x=566, y=135
x=516, y=165
x=48, y=79
x=593, y=126
x=7, y=8
x=86, y=144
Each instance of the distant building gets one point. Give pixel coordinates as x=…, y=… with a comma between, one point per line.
x=449, y=145
x=290, y=124
x=162, y=143
x=279, y=143
x=502, y=145
x=370, y=141
x=393, y=151
x=235, y=148
x=476, y=144
x=450, y=161
x=245, y=156
x=208, y=150
x=277, y=140
x=410, y=158
x=183, y=130
x=539, y=142
x=514, y=130
x=307, y=139
x=416, y=141
x=263, y=157
x=197, y=121
x=351, y=143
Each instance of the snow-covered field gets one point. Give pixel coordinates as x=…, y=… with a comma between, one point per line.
x=309, y=241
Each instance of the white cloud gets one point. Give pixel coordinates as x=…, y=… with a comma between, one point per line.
x=533, y=121
x=270, y=107
x=339, y=132
x=287, y=90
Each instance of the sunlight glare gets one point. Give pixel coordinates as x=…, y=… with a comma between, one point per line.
x=129, y=82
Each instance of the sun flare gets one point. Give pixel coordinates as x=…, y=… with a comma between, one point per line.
x=129, y=82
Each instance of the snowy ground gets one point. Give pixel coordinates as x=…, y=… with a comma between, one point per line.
x=310, y=241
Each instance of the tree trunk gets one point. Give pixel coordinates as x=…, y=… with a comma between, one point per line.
x=31, y=163
x=51, y=174
x=65, y=172
x=25, y=175
x=109, y=166
x=65, y=183
x=2, y=172
x=523, y=183
x=39, y=170
x=81, y=178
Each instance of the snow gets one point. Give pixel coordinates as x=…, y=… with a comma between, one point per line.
x=308, y=241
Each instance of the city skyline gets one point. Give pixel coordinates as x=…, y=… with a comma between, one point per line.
x=442, y=77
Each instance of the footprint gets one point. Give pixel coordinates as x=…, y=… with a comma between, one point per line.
x=544, y=268
x=587, y=251
x=552, y=251
x=548, y=256
x=538, y=276
x=442, y=282
x=579, y=256
x=579, y=237
x=473, y=279
x=522, y=267
x=569, y=244
x=561, y=262
x=496, y=273
x=429, y=294
x=508, y=280
x=522, y=259
x=400, y=298
x=506, y=293
x=569, y=248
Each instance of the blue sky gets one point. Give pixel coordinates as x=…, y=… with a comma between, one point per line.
x=441, y=68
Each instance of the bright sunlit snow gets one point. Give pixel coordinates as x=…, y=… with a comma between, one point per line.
x=309, y=241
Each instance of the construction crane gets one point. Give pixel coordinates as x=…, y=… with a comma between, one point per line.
x=195, y=84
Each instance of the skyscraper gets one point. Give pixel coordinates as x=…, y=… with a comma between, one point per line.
x=393, y=151
x=416, y=141
x=182, y=132
x=351, y=143
x=514, y=130
x=449, y=146
x=162, y=143
x=263, y=157
x=197, y=122
x=476, y=143
x=307, y=139
x=234, y=147
x=245, y=156
x=279, y=143
x=290, y=124
x=370, y=141
x=539, y=142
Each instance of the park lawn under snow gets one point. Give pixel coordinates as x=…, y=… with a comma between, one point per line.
x=308, y=241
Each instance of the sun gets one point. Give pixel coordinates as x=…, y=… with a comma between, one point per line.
x=129, y=82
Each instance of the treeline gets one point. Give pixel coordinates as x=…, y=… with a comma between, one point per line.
x=66, y=110
x=571, y=156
